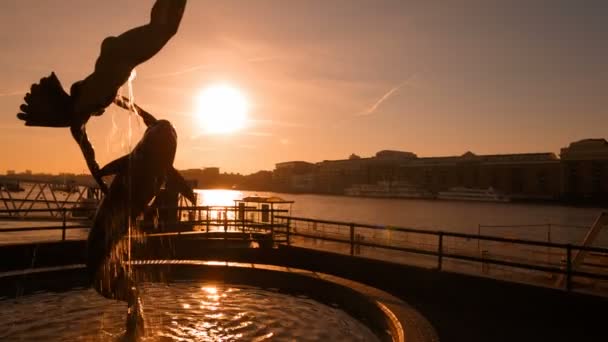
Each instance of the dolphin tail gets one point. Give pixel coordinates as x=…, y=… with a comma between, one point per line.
x=115, y=166
x=47, y=104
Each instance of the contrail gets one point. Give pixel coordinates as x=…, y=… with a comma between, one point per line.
x=386, y=96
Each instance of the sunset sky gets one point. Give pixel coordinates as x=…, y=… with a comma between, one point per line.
x=323, y=79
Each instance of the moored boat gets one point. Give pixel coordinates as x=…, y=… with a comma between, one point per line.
x=388, y=190
x=472, y=194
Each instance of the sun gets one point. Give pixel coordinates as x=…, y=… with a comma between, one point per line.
x=221, y=109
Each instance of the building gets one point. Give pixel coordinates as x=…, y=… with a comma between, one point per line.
x=579, y=174
x=294, y=176
x=528, y=175
x=584, y=170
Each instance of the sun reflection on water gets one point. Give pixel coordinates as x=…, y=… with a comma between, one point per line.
x=218, y=197
x=184, y=312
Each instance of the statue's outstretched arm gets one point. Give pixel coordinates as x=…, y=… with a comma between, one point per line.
x=120, y=55
x=124, y=103
x=80, y=135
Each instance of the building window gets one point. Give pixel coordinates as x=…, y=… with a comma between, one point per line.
x=542, y=181
x=494, y=180
x=573, y=178
x=596, y=177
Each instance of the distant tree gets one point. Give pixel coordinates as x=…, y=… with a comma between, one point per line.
x=354, y=156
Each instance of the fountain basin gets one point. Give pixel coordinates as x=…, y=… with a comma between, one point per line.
x=348, y=307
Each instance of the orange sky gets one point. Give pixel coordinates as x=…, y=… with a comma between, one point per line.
x=325, y=78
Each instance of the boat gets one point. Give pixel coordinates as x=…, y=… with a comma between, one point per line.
x=67, y=187
x=85, y=208
x=11, y=186
x=396, y=189
x=472, y=194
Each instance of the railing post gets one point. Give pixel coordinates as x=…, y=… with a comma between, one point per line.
x=207, y=220
x=569, y=267
x=352, y=239
x=288, y=230
x=272, y=221
x=440, y=252
x=63, y=225
x=225, y=220
x=549, y=241
x=478, y=239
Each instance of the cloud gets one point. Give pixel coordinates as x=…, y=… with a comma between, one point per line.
x=269, y=122
x=179, y=72
x=209, y=66
x=259, y=134
x=247, y=147
x=13, y=93
x=203, y=148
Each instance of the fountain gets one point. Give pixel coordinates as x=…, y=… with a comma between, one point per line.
x=187, y=299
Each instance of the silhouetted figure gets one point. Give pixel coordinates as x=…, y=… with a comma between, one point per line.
x=48, y=105
x=138, y=178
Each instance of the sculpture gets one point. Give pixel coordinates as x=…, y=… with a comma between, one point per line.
x=138, y=177
x=48, y=105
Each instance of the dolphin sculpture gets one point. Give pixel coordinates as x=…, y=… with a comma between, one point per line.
x=49, y=105
x=138, y=177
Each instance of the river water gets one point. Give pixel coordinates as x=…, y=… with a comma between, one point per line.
x=567, y=224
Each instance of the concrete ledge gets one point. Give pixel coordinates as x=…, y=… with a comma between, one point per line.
x=460, y=307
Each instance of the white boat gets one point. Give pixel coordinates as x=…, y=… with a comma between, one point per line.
x=388, y=190
x=472, y=194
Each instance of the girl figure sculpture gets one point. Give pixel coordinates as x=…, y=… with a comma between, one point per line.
x=48, y=105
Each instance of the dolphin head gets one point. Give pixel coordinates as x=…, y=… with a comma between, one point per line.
x=158, y=144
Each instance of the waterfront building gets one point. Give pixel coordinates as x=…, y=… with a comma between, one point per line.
x=584, y=170
x=520, y=176
x=579, y=173
x=294, y=176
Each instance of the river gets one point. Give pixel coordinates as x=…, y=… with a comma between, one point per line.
x=568, y=224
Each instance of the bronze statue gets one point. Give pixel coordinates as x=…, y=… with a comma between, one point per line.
x=48, y=105
x=138, y=178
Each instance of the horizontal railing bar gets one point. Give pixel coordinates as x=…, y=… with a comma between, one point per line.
x=41, y=210
x=213, y=223
x=367, y=244
x=362, y=225
x=545, y=225
x=463, y=257
x=43, y=219
x=29, y=200
x=231, y=209
x=540, y=225
x=31, y=229
x=456, y=235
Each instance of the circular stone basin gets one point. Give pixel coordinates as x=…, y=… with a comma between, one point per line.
x=195, y=300
x=180, y=311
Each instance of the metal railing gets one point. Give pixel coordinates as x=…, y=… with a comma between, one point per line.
x=435, y=246
x=204, y=218
x=356, y=235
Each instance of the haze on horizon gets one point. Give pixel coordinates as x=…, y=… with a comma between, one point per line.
x=324, y=79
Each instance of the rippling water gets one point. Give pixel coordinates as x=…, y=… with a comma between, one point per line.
x=455, y=216
x=458, y=216
x=179, y=312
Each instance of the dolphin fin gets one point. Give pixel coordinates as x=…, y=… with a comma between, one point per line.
x=180, y=184
x=115, y=166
